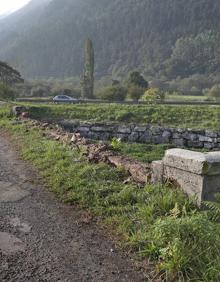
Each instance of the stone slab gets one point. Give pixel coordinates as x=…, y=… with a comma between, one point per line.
x=190, y=183
x=195, y=162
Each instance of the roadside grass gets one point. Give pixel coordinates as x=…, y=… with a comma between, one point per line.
x=156, y=222
x=207, y=117
x=144, y=152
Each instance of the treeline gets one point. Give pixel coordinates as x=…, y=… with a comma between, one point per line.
x=159, y=38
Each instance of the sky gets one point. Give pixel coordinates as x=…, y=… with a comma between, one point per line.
x=8, y=6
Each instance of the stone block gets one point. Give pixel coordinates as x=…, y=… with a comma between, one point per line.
x=133, y=137
x=198, y=174
x=167, y=136
x=157, y=168
x=140, y=128
x=195, y=144
x=180, y=142
x=124, y=129
x=98, y=128
x=146, y=137
x=156, y=130
x=205, y=139
x=210, y=133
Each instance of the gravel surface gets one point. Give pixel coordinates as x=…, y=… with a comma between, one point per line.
x=42, y=239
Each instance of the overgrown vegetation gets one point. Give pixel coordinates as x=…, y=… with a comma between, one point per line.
x=157, y=222
x=207, y=117
x=6, y=92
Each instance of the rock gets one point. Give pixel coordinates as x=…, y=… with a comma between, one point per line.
x=124, y=129
x=210, y=133
x=146, y=137
x=17, y=110
x=140, y=128
x=166, y=136
x=133, y=137
x=205, y=139
x=180, y=142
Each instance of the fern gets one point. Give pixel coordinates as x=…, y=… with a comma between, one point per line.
x=214, y=208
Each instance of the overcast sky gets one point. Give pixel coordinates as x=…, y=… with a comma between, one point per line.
x=7, y=6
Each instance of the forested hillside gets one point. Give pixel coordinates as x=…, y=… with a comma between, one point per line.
x=159, y=37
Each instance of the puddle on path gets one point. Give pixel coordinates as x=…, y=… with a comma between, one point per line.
x=10, y=192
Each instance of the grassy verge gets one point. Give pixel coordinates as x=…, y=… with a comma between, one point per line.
x=156, y=222
x=174, y=116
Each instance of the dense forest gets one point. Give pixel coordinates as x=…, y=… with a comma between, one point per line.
x=161, y=38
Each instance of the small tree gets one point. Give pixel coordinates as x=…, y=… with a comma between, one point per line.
x=6, y=93
x=135, y=92
x=214, y=92
x=153, y=95
x=135, y=78
x=113, y=93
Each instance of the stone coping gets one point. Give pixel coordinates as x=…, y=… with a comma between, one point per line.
x=195, y=162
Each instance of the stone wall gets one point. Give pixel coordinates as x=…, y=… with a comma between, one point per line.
x=179, y=137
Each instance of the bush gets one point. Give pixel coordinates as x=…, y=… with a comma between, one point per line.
x=135, y=92
x=135, y=78
x=6, y=93
x=153, y=95
x=113, y=93
x=215, y=92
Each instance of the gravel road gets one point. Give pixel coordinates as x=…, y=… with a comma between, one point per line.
x=42, y=239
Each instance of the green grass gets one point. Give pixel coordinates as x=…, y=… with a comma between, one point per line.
x=144, y=152
x=156, y=222
x=187, y=98
x=207, y=117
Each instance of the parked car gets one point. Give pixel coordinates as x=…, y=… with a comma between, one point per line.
x=64, y=99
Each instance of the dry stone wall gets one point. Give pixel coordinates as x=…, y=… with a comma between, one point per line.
x=191, y=138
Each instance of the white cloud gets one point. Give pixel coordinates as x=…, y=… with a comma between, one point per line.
x=7, y=6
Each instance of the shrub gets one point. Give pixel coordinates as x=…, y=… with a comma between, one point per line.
x=135, y=92
x=113, y=93
x=214, y=92
x=135, y=78
x=6, y=93
x=153, y=95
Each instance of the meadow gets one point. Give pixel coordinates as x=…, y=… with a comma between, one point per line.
x=182, y=116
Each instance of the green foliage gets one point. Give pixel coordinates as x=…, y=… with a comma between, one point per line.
x=153, y=95
x=214, y=208
x=41, y=49
x=145, y=152
x=214, y=92
x=113, y=93
x=6, y=93
x=116, y=144
x=135, y=92
x=187, y=246
x=195, y=54
x=135, y=78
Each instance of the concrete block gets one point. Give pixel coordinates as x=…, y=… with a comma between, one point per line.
x=198, y=174
x=157, y=168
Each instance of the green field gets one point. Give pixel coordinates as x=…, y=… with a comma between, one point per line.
x=153, y=222
x=183, y=116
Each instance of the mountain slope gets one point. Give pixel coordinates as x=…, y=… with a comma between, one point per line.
x=169, y=37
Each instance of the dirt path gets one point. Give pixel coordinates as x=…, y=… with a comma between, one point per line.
x=42, y=239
